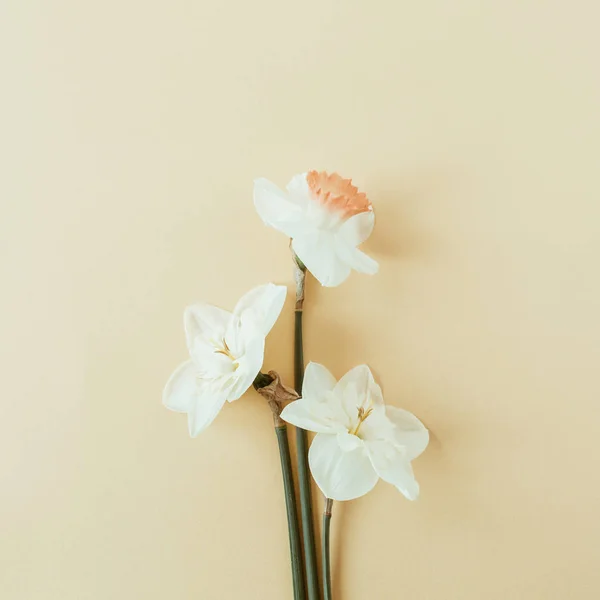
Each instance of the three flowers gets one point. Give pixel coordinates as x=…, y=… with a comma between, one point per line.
x=358, y=438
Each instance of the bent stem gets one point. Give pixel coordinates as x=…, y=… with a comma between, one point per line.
x=325, y=549
x=263, y=380
x=310, y=553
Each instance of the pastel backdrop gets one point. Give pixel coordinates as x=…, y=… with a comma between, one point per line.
x=131, y=134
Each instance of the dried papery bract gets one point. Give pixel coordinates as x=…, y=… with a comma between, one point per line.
x=277, y=395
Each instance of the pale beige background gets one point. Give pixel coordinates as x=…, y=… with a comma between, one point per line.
x=131, y=133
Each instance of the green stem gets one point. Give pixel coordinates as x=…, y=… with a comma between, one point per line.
x=264, y=380
x=310, y=553
x=292, y=512
x=325, y=549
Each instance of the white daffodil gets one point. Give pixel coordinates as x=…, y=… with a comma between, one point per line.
x=226, y=353
x=359, y=439
x=326, y=217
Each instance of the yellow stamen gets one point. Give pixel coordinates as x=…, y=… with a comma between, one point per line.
x=225, y=351
x=362, y=417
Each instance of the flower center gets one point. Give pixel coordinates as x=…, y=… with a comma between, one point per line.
x=225, y=351
x=362, y=417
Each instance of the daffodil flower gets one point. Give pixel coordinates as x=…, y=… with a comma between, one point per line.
x=359, y=439
x=326, y=217
x=226, y=353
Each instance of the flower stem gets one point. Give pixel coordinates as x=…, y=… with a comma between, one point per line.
x=310, y=553
x=325, y=549
x=261, y=384
x=292, y=513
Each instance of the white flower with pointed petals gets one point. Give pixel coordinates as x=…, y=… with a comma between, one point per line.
x=326, y=217
x=359, y=439
x=226, y=353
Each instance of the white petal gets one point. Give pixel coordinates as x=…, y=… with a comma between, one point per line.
x=263, y=304
x=355, y=230
x=317, y=380
x=181, y=388
x=298, y=190
x=312, y=415
x=340, y=475
x=241, y=332
x=208, y=361
x=201, y=400
x=248, y=367
x=377, y=426
x=319, y=409
x=356, y=259
x=206, y=321
x=362, y=378
x=358, y=388
x=393, y=466
x=317, y=250
x=348, y=441
x=203, y=411
x=276, y=209
x=410, y=432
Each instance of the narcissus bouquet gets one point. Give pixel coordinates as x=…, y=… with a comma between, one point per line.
x=359, y=439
